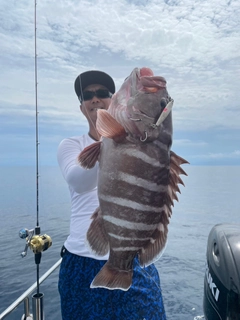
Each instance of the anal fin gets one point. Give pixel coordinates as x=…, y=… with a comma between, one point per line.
x=97, y=238
x=154, y=249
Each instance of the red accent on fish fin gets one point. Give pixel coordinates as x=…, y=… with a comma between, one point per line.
x=89, y=156
x=154, y=249
x=111, y=279
x=109, y=127
x=97, y=238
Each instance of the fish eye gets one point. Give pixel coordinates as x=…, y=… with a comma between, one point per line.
x=163, y=103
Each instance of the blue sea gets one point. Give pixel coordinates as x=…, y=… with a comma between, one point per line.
x=210, y=196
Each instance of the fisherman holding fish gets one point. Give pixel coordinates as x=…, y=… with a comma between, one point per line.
x=143, y=299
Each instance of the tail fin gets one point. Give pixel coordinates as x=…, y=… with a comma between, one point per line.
x=111, y=279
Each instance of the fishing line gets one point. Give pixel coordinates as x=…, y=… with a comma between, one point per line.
x=83, y=103
x=37, y=228
x=151, y=278
x=36, y=112
x=37, y=242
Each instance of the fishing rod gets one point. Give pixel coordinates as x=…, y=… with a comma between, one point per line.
x=34, y=240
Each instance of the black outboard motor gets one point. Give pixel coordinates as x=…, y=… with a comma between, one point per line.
x=222, y=279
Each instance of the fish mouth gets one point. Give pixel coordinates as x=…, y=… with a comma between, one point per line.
x=148, y=82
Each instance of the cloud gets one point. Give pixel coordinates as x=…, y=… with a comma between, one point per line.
x=195, y=45
x=232, y=155
x=187, y=142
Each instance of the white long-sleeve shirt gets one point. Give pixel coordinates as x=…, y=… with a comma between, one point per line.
x=82, y=185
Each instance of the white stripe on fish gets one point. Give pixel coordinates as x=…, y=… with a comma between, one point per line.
x=146, y=184
x=129, y=238
x=126, y=248
x=160, y=144
x=130, y=204
x=143, y=156
x=130, y=225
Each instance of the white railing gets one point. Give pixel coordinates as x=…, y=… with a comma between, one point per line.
x=25, y=295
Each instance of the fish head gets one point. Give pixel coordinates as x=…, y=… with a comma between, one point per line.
x=144, y=104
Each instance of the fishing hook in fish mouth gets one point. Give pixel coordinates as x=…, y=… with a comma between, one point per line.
x=164, y=114
x=146, y=136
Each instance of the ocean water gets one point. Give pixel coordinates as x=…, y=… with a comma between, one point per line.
x=210, y=196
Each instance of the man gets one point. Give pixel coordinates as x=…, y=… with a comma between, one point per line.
x=79, y=266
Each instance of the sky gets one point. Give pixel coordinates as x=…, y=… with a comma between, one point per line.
x=193, y=44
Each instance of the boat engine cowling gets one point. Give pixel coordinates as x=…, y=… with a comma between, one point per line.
x=222, y=278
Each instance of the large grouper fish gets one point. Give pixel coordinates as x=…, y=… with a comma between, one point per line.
x=138, y=178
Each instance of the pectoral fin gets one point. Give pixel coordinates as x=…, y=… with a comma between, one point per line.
x=109, y=127
x=89, y=156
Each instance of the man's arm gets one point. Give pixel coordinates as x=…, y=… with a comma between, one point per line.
x=80, y=180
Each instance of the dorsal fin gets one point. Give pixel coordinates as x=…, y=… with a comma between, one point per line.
x=89, y=156
x=174, y=179
x=109, y=127
x=175, y=163
x=179, y=160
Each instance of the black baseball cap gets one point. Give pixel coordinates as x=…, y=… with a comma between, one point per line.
x=93, y=77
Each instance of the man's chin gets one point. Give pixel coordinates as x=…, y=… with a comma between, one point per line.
x=96, y=109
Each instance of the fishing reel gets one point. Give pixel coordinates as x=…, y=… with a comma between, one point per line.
x=37, y=243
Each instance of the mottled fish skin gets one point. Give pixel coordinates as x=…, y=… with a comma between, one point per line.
x=138, y=180
x=137, y=108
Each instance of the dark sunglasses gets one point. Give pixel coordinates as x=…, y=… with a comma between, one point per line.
x=100, y=93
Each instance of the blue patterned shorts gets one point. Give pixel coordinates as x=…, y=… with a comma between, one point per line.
x=143, y=301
